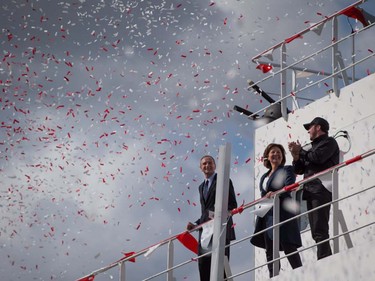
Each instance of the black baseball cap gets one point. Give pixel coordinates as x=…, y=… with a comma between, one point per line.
x=324, y=125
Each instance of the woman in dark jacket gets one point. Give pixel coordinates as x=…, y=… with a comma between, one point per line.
x=274, y=179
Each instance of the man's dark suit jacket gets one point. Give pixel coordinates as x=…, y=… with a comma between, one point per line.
x=209, y=205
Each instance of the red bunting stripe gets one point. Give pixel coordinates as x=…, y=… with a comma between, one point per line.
x=89, y=278
x=355, y=13
x=129, y=255
x=290, y=39
x=238, y=210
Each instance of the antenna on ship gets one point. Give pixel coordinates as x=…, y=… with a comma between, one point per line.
x=270, y=114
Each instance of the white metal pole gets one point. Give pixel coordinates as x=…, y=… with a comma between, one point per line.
x=283, y=81
x=276, y=235
x=335, y=49
x=335, y=210
x=353, y=57
x=221, y=212
x=170, y=260
x=294, y=88
x=121, y=267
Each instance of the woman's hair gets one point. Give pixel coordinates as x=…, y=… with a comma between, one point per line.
x=266, y=162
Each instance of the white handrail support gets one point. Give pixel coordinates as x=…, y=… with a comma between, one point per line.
x=335, y=210
x=121, y=268
x=221, y=212
x=335, y=49
x=276, y=235
x=170, y=261
x=283, y=81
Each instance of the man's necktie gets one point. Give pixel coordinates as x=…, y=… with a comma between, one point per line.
x=205, y=189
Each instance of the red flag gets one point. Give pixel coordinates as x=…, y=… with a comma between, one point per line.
x=129, y=255
x=264, y=67
x=355, y=13
x=89, y=278
x=188, y=241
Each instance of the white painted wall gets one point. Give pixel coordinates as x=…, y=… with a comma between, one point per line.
x=353, y=111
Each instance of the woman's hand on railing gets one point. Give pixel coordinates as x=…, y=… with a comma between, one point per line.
x=269, y=194
x=190, y=226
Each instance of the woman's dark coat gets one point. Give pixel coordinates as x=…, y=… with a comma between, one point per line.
x=289, y=232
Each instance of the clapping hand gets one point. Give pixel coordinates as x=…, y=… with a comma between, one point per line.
x=295, y=148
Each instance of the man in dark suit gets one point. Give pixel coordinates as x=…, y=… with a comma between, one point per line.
x=207, y=192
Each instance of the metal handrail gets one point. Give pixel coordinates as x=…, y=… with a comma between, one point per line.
x=293, y=218
x=337, y=64
x=304, y=249
x=299, y=215
x=326, y=19
x=315, y=53
x=294, y=93
x=239, y=210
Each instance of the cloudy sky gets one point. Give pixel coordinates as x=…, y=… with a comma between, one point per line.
x=106, y=109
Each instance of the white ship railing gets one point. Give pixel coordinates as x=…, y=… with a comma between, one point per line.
x=337, y=216
x=336, y=220
x=337, y=71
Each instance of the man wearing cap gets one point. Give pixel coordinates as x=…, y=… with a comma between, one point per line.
x=323, y=154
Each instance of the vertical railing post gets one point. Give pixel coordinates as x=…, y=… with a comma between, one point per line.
x=294, y=88
x=121, y=267
x=335, y=49
x=283, y=81
x=170, y=258
x=221, y=213
x=335, y=210
x=276, y=235
x=353, y=57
